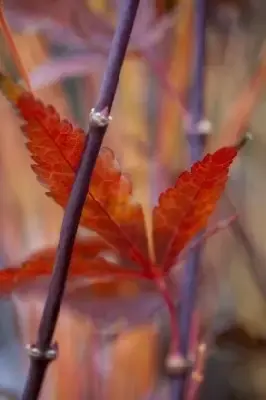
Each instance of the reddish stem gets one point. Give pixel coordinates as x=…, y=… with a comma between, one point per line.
x=161, y=285
x=12, y=46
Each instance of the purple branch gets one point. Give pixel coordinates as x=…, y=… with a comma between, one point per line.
x=76, y=201
x=196, y=142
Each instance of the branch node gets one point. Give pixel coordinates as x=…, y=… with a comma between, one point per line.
x=177, y=365
x=99, y=118
x=248, y=137
x=204, y=126
x=46, y=355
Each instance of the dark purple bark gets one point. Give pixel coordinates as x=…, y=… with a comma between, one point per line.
x=77, y=198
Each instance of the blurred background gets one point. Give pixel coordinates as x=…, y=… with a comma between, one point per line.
x=63, y=47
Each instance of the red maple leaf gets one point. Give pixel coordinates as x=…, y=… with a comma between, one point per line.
x=183, y=210
x=56, y=146
x=87, y=261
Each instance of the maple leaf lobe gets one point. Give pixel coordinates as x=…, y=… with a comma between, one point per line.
x=184, y=209
x=56, y=148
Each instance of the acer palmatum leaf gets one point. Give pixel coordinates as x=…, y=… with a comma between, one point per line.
x=87, y=262
x=184, y=209
x=56, y=147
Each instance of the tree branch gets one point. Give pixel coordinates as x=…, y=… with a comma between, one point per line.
x=40, y=361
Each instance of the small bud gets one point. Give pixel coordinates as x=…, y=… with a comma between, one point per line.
x=204, y=126
x=248, y=136
x=100, y=118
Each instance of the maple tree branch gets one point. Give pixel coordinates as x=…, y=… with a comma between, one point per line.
x=38, y=366
x=196, y=141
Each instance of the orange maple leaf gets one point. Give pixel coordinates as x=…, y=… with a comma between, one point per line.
x=56, y=147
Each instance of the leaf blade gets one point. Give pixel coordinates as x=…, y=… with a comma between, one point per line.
x=184, y=209
x=56, y=147
x=86, y=262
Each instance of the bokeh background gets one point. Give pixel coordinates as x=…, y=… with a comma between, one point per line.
x=63, y=47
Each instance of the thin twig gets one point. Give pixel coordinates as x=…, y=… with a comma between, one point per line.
x=76, y=201
x=196, y=141
x=256, y=261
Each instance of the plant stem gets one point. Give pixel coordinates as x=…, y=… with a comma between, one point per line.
x=256, y=261
x=196, y=142
x=77, y=198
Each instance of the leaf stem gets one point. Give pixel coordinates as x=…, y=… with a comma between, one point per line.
x=163, y=290
x=76, y=201
x=196, y=142
x=4, y=26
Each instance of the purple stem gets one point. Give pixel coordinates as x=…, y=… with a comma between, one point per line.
x=76, y=201
x=196, y=143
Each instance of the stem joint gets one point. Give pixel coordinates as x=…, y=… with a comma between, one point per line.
x=35, y=353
